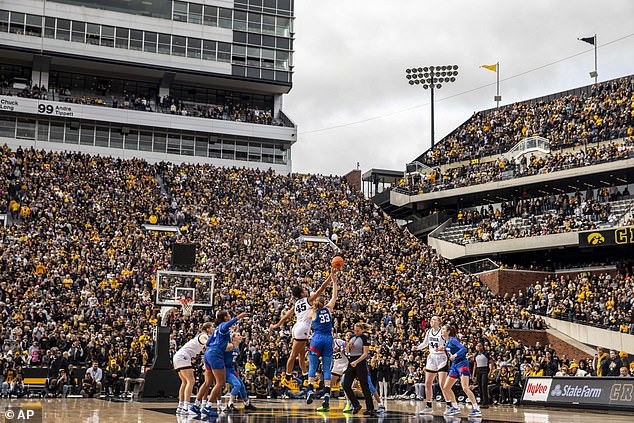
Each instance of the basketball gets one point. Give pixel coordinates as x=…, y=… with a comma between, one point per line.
x=337, y=263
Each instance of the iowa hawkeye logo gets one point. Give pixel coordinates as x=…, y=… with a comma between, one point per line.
x=595, y=238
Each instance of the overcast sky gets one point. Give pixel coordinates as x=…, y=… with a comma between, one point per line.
x=351, y=55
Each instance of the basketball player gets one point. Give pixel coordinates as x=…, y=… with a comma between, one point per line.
x=437, y=361
x=459, y=369
x=183, y=365
x=238, y=389
x=301, y=328
x=321, y=344
x=215, y=356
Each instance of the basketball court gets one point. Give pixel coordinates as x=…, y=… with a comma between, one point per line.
x=281, y=411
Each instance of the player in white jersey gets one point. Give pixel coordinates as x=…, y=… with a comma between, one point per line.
x=301, y=328
x=183, y=365
x=339, y=359
x=437, y=360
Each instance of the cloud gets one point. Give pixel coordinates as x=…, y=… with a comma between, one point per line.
x=351, y=55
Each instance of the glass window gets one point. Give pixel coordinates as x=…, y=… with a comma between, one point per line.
x=101, y=136
x=87, y=135
x=17, y=23
x=267, y=74
x=145, y=141
x=215, y=148
x=149, y=44
x=225, y=18
x=268, y=41
x=178, y=45
x=72, y=133
x=284, y=4
x=283, y=43
x=195, y=13
x=201, y=146
x=49, y=27
x=57, y=132
x=283, y=28
x=116, y=138
x=254, y=39
x=180, y=11
x=228, y=149
x=123, y=34
x=209, y=50
x=268, y=58
x=63, y=30
x=4, y=21
x=224, y=52
x=136, y=39
x=7, y=126
x=92, y=34
x=174, y=144
x=253, y=56
x=255, y=22
x=34, y=25
x=79, y=32
x=268, y=24
x=132, y=140
x=282, y=60
x=164, y=43
x=269, y=5
x=239, y=20
x=211, y=16
x=280, y=155
x=159, y=143
x=242, y=149
x=255, y=152
x=42, y=130
x=267, y=154
x=107, y=36
x=187, y=148
x=193, y=48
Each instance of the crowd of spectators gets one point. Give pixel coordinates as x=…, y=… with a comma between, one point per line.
x=145, y=102
x=503, y=168
x=599, y=299
x=77, y=269
x=605, y=113
x=542, y=215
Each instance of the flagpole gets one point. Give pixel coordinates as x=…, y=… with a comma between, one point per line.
x=497, y=97
x=596, y=73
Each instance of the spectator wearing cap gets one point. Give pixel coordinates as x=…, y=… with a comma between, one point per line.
x=575, y=371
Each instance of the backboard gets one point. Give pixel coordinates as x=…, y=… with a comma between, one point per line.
x=172, y=286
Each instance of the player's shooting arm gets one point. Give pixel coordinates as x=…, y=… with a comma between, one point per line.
x=333, y=299
x=284, y=318
x=322, y=288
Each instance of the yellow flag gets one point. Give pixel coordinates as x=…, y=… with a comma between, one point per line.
x=493, y=68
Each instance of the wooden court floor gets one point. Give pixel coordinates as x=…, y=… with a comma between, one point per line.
x=279, y=411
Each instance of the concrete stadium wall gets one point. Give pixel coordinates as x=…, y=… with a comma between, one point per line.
x=594, y=336
x=507, y=281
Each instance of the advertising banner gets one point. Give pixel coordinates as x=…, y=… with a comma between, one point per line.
x=597, y=392
x=607, y=237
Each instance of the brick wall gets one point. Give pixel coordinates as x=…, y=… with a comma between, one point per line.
x=531, y=337
x=354, y=179
x=508, y=281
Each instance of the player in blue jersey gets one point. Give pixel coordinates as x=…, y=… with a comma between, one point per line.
x=238, y=389
x=321, y=344
x=215, y=356
x=459, y=369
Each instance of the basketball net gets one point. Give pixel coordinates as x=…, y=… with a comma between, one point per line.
x=187, y=306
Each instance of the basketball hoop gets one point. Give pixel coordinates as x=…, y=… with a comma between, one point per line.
x=187, y=306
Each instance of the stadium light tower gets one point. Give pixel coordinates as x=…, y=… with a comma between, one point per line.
x=432, y=77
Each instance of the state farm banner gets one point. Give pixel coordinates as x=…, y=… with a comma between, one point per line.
x=597, y=392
